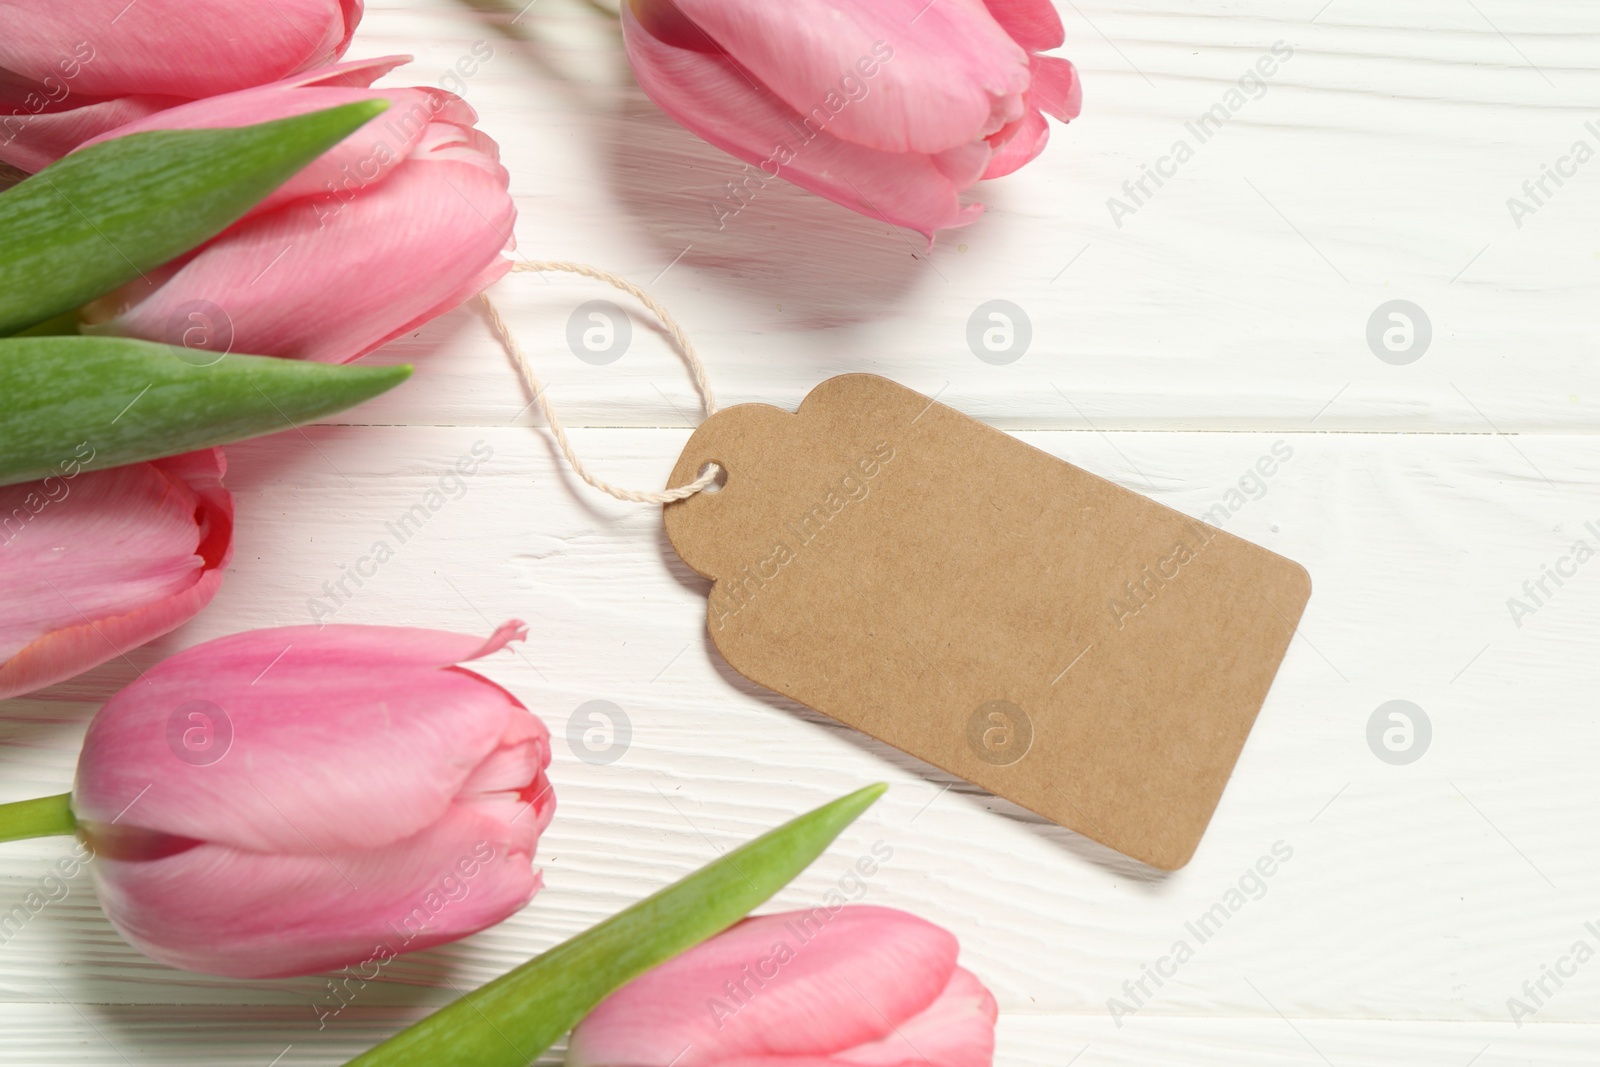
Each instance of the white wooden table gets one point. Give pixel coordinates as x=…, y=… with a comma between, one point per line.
x=1229, y=311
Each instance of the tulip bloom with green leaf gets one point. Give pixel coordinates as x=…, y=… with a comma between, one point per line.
x=285, y=801
x=95, y=561
x=70, y=71
x=843, y=986
x=116, y=211
x=403, y=220
x=519, y=1015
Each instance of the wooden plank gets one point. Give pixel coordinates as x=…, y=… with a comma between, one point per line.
x=1469, y=865
x=57, y=1035
x=1375, y=165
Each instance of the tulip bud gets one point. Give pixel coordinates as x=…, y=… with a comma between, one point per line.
x=287, y=801
x=829, y=987
x=72, y=71
x=403, y=220
x=98, y=562
x=892, y=108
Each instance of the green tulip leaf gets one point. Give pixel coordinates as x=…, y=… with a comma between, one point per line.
x=514, y=1018
x=103, y=216
x=115, y=400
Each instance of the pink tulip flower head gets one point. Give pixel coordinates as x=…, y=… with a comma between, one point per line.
x=400, y=222
x=892, y=108
x=286, y=801
x=852, y=986
x=72, y=71
x=96, y=563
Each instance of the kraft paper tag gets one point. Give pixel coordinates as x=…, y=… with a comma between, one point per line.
x=1066, y=643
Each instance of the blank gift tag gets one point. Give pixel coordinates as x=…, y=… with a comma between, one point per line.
x=1066, y=643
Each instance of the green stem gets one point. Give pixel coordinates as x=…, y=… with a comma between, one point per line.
x=514, y=1018
x=45, y=817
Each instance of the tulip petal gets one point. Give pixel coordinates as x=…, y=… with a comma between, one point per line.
x=251, y=915
x=1056, y=89
x=1018, y=145
x=127, y=538
x=185, y=48
x=33, y=142
x=510, y=784
x=351, y=74
x=20, y=92
x=510, y=768
x=477, y=149
x=964, y=165
x=956, y=1030
x=111, y=560
x=469, y=289
x=433, y=225
x=809, y=984
x=338, y=35
x=363, y=158
x=527, y=812
x=715, y=99
x=504, y=634
x=31, y=139
x=297, y=702
x=1033, y=24
x=943, y=74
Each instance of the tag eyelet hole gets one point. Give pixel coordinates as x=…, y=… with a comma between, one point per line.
x=716, y=483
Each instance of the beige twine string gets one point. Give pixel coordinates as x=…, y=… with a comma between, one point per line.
x=680, y=340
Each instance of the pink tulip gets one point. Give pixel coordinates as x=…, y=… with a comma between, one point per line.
x=285, y=801
x=96, y=563
x=890, y=107
x=398, y=223
x=855, y=986
x=70, y=71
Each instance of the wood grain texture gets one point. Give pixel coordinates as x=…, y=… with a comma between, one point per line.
x=1227, y=314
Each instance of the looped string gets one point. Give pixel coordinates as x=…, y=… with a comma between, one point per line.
x=680, y=340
